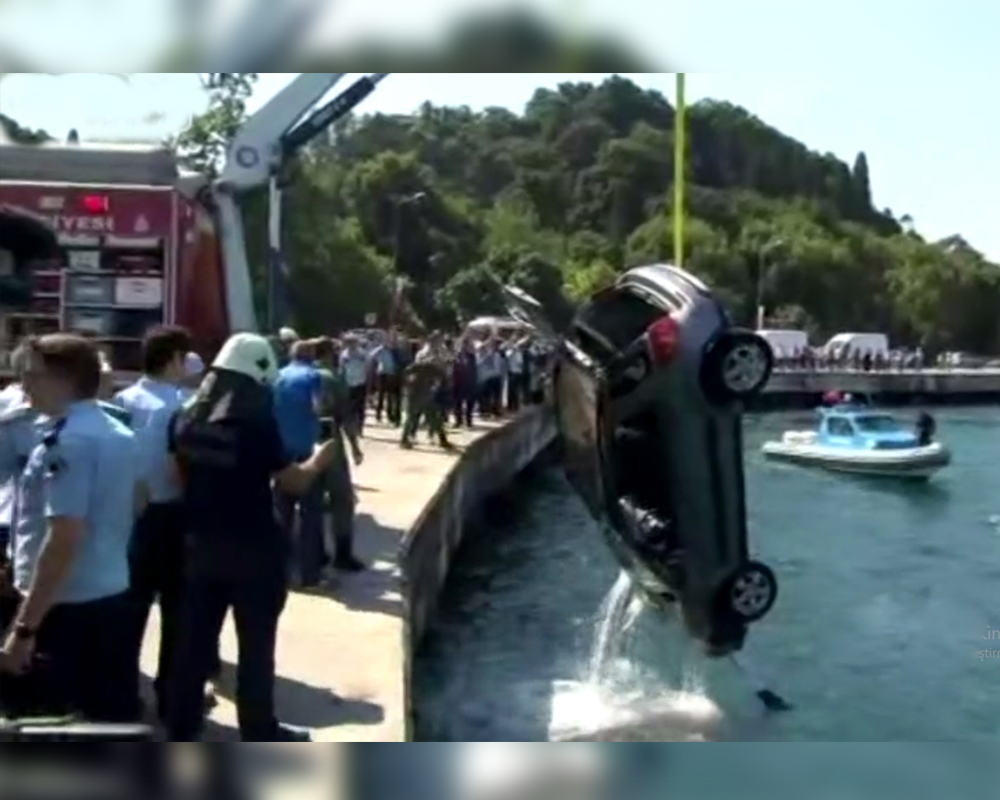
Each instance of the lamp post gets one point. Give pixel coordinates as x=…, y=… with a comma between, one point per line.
x=761, y=275
x=680, y=154
x=401, y=282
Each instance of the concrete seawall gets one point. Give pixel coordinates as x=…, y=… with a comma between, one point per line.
x=487, y=467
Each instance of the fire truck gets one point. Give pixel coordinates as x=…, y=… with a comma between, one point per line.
x=134, y=248
x=138, y=242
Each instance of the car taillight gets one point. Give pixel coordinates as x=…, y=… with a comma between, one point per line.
x=664, y=339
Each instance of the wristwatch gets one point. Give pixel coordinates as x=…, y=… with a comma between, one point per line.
x=23, y=632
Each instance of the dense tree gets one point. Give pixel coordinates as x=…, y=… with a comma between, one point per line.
x=563, y=197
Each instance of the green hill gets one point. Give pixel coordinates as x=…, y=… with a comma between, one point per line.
x=578, y=187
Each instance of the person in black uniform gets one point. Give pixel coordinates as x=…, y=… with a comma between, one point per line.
x=227, y=449
x=926, y=428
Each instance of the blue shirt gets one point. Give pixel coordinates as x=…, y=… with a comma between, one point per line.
x=19, y=434
x=152, y=404
x=86, y=469
x=385, y=360
x=296, y=393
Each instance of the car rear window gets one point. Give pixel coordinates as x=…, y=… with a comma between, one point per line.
x=619, y=316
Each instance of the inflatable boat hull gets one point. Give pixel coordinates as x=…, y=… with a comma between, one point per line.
x=918, y=463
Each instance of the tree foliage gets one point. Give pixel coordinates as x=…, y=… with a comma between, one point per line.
x=566, y=195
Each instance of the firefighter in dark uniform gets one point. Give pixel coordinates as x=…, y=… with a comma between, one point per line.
x=227, y=450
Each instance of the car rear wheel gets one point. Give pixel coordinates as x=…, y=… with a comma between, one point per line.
x=737, y=366
x=752, y=591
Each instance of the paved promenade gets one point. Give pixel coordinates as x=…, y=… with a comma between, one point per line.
x=339, y=652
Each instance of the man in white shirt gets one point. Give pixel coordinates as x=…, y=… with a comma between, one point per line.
x=354, y=370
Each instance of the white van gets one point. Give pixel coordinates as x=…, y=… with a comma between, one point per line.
x=786, y=344
x=847, y=344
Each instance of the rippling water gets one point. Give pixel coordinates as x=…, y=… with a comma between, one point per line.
x=887, y=593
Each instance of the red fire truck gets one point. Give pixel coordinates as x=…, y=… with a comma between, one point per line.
x=140, y=243
x=135, y=249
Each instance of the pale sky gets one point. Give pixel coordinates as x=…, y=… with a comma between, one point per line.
x=932, y=137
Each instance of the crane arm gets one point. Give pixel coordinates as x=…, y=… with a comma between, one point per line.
x=255, y=158
x=256, y=152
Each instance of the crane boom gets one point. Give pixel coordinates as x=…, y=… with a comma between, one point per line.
x=255, y=158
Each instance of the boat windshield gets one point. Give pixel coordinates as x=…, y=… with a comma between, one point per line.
x=876, y=423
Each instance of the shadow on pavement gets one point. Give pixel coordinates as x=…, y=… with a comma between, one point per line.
x=304, y=706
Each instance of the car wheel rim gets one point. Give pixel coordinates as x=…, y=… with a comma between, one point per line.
x=745, y=368
x=752, y=593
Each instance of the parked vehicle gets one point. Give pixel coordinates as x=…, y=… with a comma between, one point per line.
x=650, y=381
x=786, y=343
x=847, y=345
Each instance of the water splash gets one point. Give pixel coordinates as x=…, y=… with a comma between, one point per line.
x=619, y=612
x=615, y=701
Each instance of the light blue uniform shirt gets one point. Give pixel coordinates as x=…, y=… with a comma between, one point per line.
x=86, y=468
x=152, y=405
x=354, y=368
x=20, y=432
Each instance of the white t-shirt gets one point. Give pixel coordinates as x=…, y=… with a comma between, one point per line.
x=10, y=397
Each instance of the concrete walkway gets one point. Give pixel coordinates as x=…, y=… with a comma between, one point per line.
x=339, y=653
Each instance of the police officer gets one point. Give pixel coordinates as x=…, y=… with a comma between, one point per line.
x=227, y=449
x=73, y=521
x=157, y=545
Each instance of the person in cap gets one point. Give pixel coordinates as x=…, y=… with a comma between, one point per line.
x=156, y=550
x=74, y=513
x=283, y=343
x=227, y=450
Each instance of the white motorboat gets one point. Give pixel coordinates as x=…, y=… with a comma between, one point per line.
x=862, y=441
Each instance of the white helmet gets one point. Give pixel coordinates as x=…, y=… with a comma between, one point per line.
x=288, y=335
x=250, y=355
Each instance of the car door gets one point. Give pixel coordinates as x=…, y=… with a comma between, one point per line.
x=578, y=393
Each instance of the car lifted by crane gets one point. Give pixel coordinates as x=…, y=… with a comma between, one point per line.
x=135, y=241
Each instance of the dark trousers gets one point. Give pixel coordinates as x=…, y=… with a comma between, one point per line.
x=464, y=404
x=256, y=605
x=357, y=398
x=490, y=396
x=84, y=665
x=309, y=551
x=341, y=495
x=515, y=391
x=156, y=567
x=389, y=398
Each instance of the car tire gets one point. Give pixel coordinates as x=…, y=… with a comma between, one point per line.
x=737, y=366
x=751, y=593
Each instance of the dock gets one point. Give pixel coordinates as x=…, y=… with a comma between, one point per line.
x=344, y=654
x=803, y=388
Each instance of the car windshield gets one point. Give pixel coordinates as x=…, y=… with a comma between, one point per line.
x=876, y=424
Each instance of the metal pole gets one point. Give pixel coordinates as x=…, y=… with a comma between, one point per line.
x=680, y=153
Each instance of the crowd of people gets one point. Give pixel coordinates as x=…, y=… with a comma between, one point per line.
x=818, y=360
x=415, y=383
x=204, y=492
